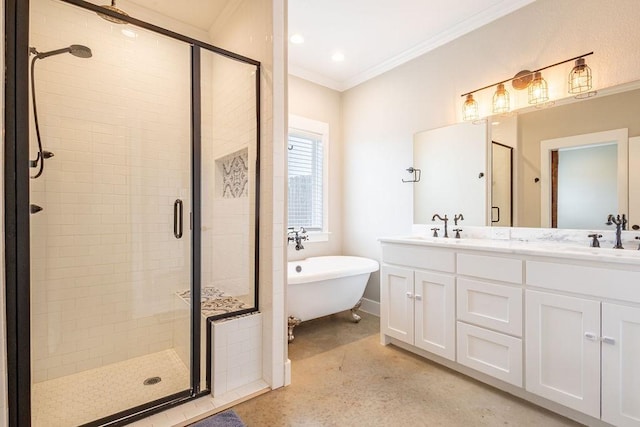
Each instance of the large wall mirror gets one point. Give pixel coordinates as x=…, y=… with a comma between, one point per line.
x=549, y=167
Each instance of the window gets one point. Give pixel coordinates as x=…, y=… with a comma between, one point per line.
x=307, y=155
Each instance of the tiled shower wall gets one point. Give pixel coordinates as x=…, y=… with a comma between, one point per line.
x=229, y=129
x=105, y=263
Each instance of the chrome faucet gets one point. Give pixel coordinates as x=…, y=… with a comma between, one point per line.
x=297, y=236
x=621, y=224
x=445, y=219
x=457, y=218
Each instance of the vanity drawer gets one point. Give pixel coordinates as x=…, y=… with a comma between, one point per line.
x=419, y=257
x=492, y=353
x=497, y=307
x=490, y=267
x=598, y=282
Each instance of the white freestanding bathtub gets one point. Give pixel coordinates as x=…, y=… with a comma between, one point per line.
x=320, y=286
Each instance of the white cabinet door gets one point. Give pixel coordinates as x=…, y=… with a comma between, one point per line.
x=396, y=303
x=435, y=313
x=563, y=350
x=620, y=359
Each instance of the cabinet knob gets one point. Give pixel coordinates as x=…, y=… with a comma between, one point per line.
x=409, y=295
x=608, y=340
x=591, y=336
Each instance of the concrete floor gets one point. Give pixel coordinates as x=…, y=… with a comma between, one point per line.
x=343, y=376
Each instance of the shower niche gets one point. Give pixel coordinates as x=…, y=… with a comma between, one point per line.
x=146, y=229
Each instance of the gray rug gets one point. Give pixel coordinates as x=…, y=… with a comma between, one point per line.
x=223, y=419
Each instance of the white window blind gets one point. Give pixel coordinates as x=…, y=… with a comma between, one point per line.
x=305, y=166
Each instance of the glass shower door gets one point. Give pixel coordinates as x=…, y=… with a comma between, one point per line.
x=111, y=247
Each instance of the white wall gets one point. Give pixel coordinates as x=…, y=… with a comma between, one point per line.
x=319, y=103
x=381, y=115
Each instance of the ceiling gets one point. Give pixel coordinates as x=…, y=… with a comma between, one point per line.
x=199, y=13
x=377, y=35
x=373, y=35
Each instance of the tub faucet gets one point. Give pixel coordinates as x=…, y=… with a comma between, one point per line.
x=457, y=218
x=621, y=224
x=445, y=219
x=297, y=236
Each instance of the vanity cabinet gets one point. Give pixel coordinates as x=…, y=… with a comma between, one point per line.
x=570, y=337
x=419, y=309
x=546, y=326
x=417, y=306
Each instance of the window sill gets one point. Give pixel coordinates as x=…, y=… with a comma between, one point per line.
x=318, y=236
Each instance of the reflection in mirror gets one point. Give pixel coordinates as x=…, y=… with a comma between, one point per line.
x=526, y=131
x=501, y=185
x=453, y=161
x=584, y=179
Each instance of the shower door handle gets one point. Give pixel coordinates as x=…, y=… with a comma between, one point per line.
x=177, y=218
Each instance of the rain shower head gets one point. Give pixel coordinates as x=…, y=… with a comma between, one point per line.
x=113, y=8
x=77, y=50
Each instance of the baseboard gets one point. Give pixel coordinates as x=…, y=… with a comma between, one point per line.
x=287, y=373
x=370, y=306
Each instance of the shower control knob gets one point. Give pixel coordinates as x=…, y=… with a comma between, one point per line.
x=635, y=227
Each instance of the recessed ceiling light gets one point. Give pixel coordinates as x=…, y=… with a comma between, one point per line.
x=338, y=57
x=297, y=39
x=129, y=33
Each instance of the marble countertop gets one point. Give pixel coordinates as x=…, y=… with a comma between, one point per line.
x=554, y=249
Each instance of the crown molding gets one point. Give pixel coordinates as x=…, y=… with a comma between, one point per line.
x=316, y=78
x=480, y=19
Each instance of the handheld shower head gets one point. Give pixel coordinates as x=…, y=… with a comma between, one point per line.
x=80, y=51
x=77, y=50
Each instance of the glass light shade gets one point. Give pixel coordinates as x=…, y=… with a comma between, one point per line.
x=470, y=109
x=580, y=78
x=538, y=90
x=501, y=101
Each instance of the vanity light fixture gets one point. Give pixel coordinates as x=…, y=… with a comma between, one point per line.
x=580, y=82
x=470, y=109
x=538, y=89
x=580, y=79
x=501, y=102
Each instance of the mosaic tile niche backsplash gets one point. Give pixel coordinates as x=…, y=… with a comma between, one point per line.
x=235, y=174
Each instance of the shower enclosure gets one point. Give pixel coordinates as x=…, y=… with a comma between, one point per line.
x=132, y=194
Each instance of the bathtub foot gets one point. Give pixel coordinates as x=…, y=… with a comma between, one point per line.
x=292, y=323
x=356, y=318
